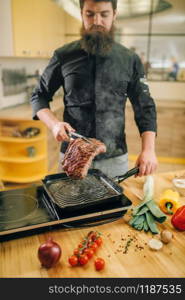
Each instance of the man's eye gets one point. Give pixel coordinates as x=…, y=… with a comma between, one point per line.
x=104, y=15
x=89, y=15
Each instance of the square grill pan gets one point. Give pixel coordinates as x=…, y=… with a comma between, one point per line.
x=95, y=190
x=75, y=194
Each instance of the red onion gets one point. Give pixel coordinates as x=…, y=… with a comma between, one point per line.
x=49, y=253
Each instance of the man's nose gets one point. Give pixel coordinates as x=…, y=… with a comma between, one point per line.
x=97, y=19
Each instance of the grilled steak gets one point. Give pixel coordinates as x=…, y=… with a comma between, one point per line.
x=79, y=155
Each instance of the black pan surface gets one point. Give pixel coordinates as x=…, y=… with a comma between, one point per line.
x=95, y=189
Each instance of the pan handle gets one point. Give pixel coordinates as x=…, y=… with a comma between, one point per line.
x=131, y=172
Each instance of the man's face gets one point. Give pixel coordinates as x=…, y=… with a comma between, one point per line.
x=98, y=16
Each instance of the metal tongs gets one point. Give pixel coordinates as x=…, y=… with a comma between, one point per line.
x=74, y=135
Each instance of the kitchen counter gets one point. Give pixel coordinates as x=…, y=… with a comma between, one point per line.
x=19, y=256
x=167, y=90
x=24, y=111
x=168, y=143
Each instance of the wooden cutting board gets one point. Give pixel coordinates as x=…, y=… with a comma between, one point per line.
x=19, y=257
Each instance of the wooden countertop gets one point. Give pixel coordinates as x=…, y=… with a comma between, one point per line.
x=19, y=257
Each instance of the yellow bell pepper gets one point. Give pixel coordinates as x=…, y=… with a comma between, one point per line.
x=169, y=202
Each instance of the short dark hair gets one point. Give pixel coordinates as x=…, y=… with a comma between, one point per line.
x=114, y=3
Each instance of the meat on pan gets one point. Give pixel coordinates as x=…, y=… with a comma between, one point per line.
x=79, y=155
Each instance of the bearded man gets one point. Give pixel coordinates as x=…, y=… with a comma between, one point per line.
x=98, y=75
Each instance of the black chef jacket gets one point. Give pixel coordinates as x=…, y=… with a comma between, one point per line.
x=95, y=93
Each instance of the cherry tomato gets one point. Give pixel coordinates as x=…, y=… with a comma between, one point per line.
x=73, y=260
x=80, y=245
x=99, y=264
x=94, y=246
x=76, y=251
x=89, y=252
x=83, y=259
x=98, y=241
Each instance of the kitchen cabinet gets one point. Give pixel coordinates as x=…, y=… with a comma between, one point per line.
x=38, y=27
x=23, y=160
x=34, y=28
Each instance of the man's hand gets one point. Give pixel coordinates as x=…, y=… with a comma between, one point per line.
x=60, y=131
x=147, y=162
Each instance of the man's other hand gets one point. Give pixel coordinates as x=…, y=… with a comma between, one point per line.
x=60, y=131
x=147, y=162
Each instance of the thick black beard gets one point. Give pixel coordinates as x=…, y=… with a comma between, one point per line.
x=97, y=41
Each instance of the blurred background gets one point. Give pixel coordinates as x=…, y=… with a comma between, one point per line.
x=155, y=29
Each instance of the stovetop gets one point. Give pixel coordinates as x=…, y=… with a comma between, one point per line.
x=23, y=207
x=30, y=210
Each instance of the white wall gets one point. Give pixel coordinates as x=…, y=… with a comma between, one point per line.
x=30, y=65
x=6, y=41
